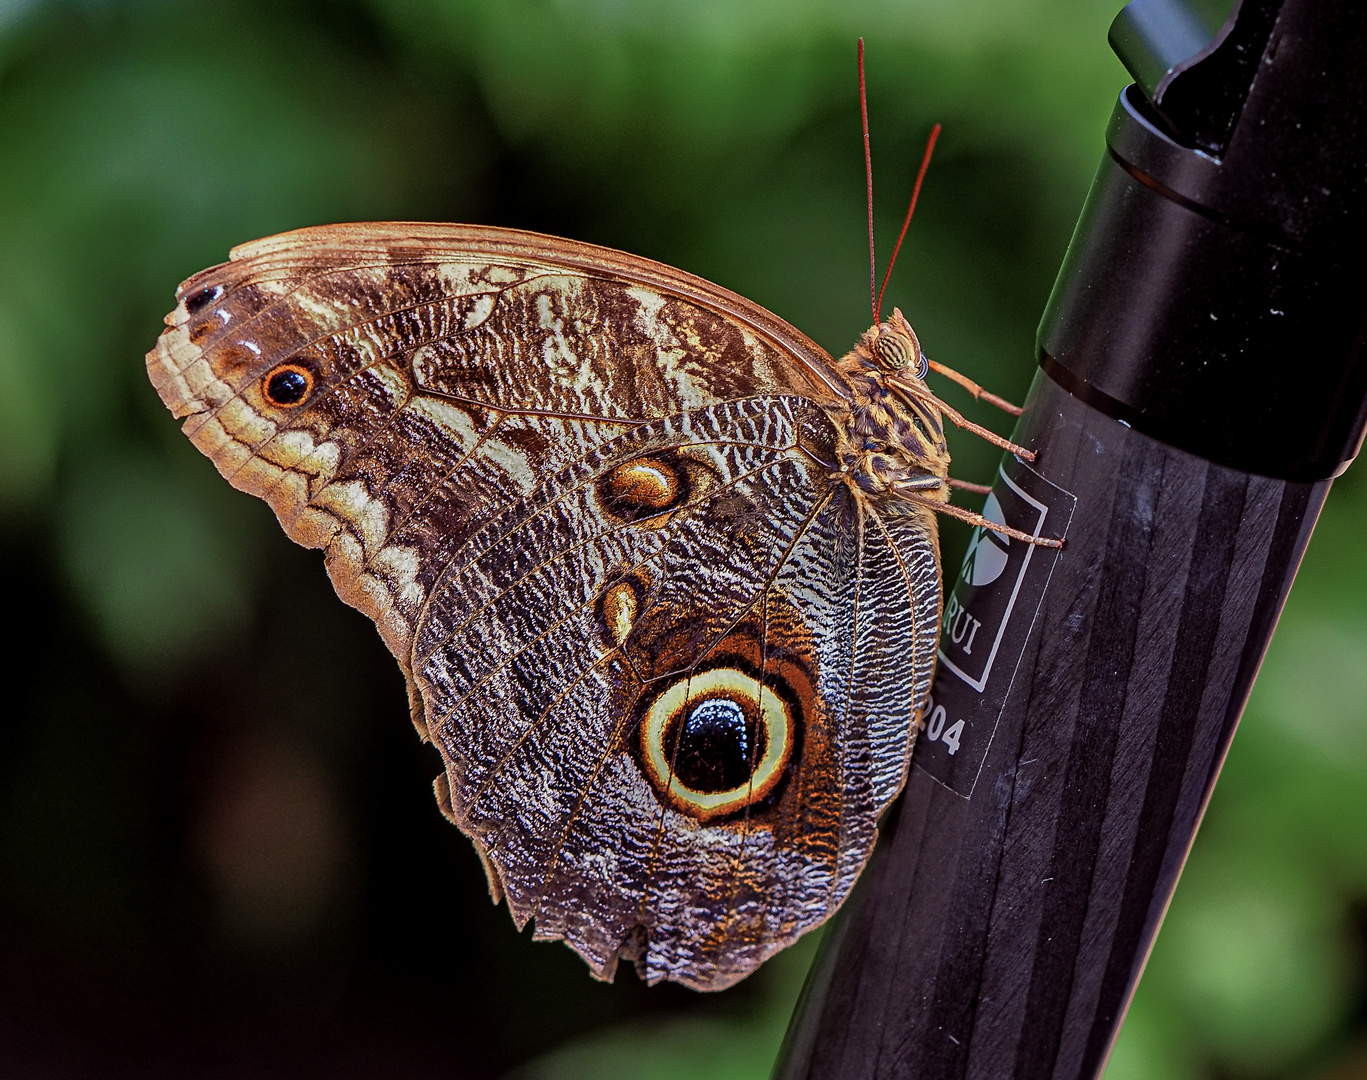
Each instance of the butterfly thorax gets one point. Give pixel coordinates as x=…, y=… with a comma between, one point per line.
x=892, y=440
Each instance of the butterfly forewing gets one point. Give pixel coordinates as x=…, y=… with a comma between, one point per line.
x=671, y=661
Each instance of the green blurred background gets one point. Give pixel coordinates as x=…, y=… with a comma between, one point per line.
x=219, y=852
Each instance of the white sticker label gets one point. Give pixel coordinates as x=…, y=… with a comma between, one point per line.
x=987, y=620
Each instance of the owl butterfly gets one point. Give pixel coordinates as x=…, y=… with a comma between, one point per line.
x=662, y=576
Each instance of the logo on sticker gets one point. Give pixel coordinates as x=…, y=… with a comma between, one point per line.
x=988, y=551
x=976, y=616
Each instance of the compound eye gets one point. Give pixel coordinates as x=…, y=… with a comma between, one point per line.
x=287, y=385
x=897, y=352
x=892, y=350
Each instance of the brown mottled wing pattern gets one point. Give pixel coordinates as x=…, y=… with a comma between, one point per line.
x=587, y=500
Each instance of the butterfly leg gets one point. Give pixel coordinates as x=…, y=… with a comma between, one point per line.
x=969, y=485
x=959, y=419
x=974, y=389
x=950, y=510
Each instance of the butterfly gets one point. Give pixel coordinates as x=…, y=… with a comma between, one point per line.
x=662, y=576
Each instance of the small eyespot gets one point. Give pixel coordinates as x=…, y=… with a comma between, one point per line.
x=647, y=484
x=641, y=489
x=288, y=385
x=619, y=607
x=198, y=301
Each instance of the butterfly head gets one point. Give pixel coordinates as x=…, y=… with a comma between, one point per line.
x=893, y=346
x=893, y=434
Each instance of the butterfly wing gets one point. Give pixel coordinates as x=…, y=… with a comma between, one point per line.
x=451, y=364
x=671, y=661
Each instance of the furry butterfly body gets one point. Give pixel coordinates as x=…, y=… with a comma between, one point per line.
x=662, y=575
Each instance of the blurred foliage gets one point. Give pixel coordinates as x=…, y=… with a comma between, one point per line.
x=218, y=852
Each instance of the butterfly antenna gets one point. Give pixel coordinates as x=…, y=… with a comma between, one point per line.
x=915, y=194
x=876, y=291
x=874, y=298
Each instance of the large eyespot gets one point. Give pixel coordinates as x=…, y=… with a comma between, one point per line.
x=716, y=742
x=287, y=385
